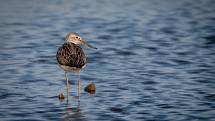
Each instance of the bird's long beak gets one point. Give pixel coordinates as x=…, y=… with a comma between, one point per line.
x=88, y=45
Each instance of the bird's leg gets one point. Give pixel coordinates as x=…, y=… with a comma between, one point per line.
x=67, y=87
x=79, y=86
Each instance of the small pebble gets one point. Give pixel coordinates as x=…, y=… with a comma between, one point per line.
x=61, y=96
x=90, y=88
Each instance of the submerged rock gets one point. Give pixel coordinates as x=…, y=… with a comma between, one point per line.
x=61, y=97
x=90, y=88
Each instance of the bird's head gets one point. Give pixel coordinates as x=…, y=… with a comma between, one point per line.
x=76, y=39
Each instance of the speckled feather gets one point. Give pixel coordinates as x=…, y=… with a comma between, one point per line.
x=71, y=55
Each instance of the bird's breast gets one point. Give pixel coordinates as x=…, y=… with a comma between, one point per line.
x=70, y=54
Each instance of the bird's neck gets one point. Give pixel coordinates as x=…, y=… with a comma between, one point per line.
x=76, y=43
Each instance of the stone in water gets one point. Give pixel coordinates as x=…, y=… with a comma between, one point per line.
x=61, y=96
x=90, y=88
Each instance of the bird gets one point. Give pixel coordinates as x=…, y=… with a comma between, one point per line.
x=71, y=57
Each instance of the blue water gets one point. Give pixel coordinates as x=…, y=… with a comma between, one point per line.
x=156, y=60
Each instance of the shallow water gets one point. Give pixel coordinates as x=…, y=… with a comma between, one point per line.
x=156, y=60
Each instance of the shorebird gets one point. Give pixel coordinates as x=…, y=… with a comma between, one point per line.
x=71, y=58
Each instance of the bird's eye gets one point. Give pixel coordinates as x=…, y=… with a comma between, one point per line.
x=76, y=37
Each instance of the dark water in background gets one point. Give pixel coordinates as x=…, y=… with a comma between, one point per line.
x=156, y=59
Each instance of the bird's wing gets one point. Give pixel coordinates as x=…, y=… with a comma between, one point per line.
x=71, y=55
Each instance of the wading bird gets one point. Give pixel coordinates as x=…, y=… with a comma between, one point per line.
x=71, y=57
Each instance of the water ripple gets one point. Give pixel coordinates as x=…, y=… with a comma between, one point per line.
x=155, y=60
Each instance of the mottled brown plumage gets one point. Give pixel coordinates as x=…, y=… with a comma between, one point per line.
x=71, y=55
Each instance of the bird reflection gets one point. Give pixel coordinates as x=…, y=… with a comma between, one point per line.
x=73, y=113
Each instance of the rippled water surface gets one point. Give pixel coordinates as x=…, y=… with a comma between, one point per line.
x=156, y=60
